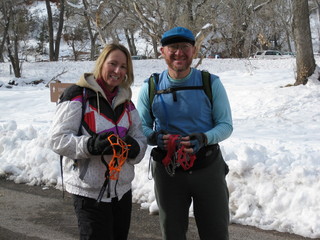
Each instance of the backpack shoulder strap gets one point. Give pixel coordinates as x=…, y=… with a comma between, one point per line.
x=153, y=81
x=206, y=82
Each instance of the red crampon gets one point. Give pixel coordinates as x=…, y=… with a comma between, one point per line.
x=186, y=160
x=176, y=156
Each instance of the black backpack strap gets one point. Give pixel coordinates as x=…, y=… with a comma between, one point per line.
x=174, y=90
x=84, y=104
x=61, y=172
x=152, y=83
x=206, y=82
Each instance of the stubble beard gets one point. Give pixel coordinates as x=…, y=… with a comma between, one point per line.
x=181, y=68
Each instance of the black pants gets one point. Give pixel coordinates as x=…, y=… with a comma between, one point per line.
x=107, y=221
x=206, y=187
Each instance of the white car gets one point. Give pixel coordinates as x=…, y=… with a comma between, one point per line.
x=270, y=54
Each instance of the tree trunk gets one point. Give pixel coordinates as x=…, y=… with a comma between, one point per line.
x=134, y=48
x=155, y=48
x=13, y=56
x=50, y=31
x=59, y=32
x=91, y=35
x=130, y=41
x=301, y=30
x=5, y=32
x=13, y=45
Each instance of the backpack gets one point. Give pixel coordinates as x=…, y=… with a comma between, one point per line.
x=154, y=79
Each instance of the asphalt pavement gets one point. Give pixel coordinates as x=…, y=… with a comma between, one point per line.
x=40, y=213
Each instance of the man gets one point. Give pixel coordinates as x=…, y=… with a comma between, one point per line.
x=186, y=126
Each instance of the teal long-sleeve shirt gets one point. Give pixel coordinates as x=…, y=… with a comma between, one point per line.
x=190, y=111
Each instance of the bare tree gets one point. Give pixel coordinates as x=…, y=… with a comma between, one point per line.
x=79, y=12
x=129, y=24
x=130, y=40
x=317, y=8
x=17, y=19
x=173, y=9
x=156, y=16
x=302, y=34
x=151, y=18
x=274, y=24
x=54, y=44
x=101, y=15
x=240, y=16
x=5, y=22
x=12, y=42
x=93, y=35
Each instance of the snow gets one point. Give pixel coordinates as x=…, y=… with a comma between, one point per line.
x=273, y=153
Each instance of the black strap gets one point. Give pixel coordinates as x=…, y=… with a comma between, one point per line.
x=61, y=171
x=206, y=81
x=174, y=90
x=84, y=102
x=171, y=90
x=153, y=82
x=106, y=181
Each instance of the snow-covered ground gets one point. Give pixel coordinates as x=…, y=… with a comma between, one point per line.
x=273, y=153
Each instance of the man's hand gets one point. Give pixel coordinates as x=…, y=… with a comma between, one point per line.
x=194, y=142
x=159, y=138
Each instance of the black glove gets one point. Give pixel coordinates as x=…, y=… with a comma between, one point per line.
x=156, y=138
x=99, y=144
x=134, y=148
x=197, y=140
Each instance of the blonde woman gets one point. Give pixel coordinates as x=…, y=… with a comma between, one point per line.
x=91, y=116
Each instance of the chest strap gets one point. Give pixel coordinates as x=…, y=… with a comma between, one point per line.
x=175, y=89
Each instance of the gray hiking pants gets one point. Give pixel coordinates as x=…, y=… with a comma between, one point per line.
x=206, y=187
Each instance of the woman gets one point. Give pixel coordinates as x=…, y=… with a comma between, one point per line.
x=91, y=116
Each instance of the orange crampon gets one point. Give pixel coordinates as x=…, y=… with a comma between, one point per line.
x=120, y=155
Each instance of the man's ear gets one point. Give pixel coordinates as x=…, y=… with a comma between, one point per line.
x=195, y=52
x=162, y=50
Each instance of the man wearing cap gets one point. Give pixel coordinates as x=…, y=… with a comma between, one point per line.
x=186, y=127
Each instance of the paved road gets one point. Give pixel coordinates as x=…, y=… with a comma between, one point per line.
x=34, y=213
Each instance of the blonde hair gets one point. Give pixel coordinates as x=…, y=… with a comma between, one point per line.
x=128, y=81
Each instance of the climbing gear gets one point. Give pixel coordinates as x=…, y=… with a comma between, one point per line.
x=176, y=156
x=120, y=154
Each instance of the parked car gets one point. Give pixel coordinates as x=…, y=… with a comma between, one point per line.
x=289, y=54
x=269, y=54
x=138, y=57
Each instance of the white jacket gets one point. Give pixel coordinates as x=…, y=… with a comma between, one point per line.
x=85, y=175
